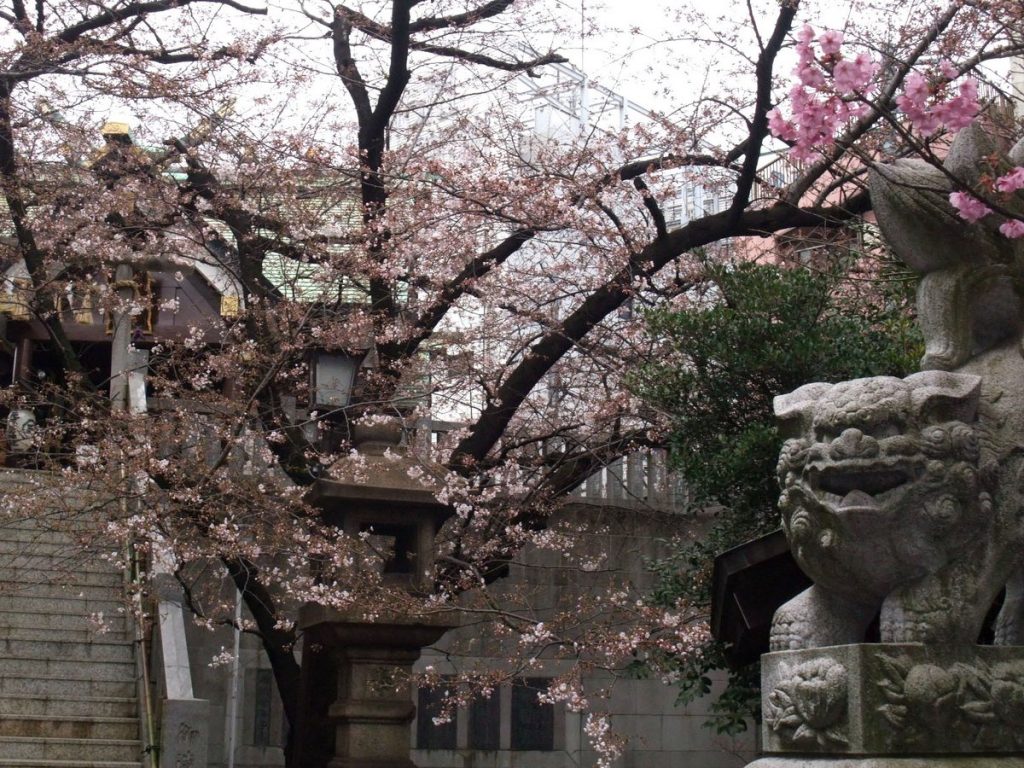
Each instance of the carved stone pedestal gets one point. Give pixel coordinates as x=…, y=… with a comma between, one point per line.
x=894, y=706
x=356, y=698
x=932, y=761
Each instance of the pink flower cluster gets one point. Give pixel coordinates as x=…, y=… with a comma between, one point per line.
x=1012, y=229
x=923, y=104
x=1011, y=181
x=822, y=100
x=828, y=83
x=971, y=209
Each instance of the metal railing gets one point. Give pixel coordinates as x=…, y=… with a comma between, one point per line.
x=642, y=478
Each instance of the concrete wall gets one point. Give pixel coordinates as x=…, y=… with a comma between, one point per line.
x=214, y=683
x=660, y=734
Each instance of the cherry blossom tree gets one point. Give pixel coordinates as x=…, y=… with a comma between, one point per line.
x=357, y=179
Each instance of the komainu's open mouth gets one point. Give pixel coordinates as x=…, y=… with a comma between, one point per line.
x=856, y=487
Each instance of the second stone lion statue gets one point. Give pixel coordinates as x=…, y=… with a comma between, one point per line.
x=903, y=496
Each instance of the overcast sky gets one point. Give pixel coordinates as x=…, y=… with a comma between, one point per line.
x=620, y=57
x=631, y=44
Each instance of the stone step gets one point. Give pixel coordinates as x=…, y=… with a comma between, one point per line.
x=119, y=728
x=44, y=620
x=69, y=604
x=66, y=635
x=65, y=521
x=79, y=750
x=60, y=550
x=61, y=528
x=99, y=648
x=81, y=686
x=112, y=591
x=63, y=707
x=30, y=536
x=67, y=690
x=54, y=668
x=39, y=573
x=37, y=565
x=65, y=629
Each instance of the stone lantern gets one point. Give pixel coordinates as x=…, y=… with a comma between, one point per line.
x=353, y=715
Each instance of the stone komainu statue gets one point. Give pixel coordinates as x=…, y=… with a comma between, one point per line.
x=906, y=496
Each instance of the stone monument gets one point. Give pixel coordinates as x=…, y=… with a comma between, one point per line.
x=903, y=499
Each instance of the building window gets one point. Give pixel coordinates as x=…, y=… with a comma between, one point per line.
x=430, y=735
x=263, y=701
x=485, y=723
x=533, y=722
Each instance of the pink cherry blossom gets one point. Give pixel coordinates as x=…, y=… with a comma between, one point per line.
x=926, y=110
x=831, y=41
x=961, y=110
x=852, y=75
x=917, y=89
x=1013, y=228
x=812, y=77
x=820, y=100
x=1011, y=181
x=781, y=127
x=948, y=70
x=969, y=207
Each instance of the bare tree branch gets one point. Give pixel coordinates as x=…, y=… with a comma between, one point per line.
x=512, y=65
x=109, y=16
x=759, y=122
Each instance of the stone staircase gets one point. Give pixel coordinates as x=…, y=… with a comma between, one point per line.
x=67, y=678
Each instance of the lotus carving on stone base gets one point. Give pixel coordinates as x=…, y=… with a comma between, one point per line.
x=808, y=706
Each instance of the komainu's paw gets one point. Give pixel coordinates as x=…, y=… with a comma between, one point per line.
x=791, y=629
x=816, y=618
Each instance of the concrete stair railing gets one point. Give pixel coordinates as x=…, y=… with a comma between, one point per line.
x=184, y=719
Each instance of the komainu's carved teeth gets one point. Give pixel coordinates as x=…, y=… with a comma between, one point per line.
x=857, y=499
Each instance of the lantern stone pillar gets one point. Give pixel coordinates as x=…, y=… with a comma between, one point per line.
x=356, y=703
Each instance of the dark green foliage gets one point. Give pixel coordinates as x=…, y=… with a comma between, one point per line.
x=757, y=331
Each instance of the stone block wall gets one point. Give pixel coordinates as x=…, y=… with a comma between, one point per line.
x=259, y=720
x=660, y=733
